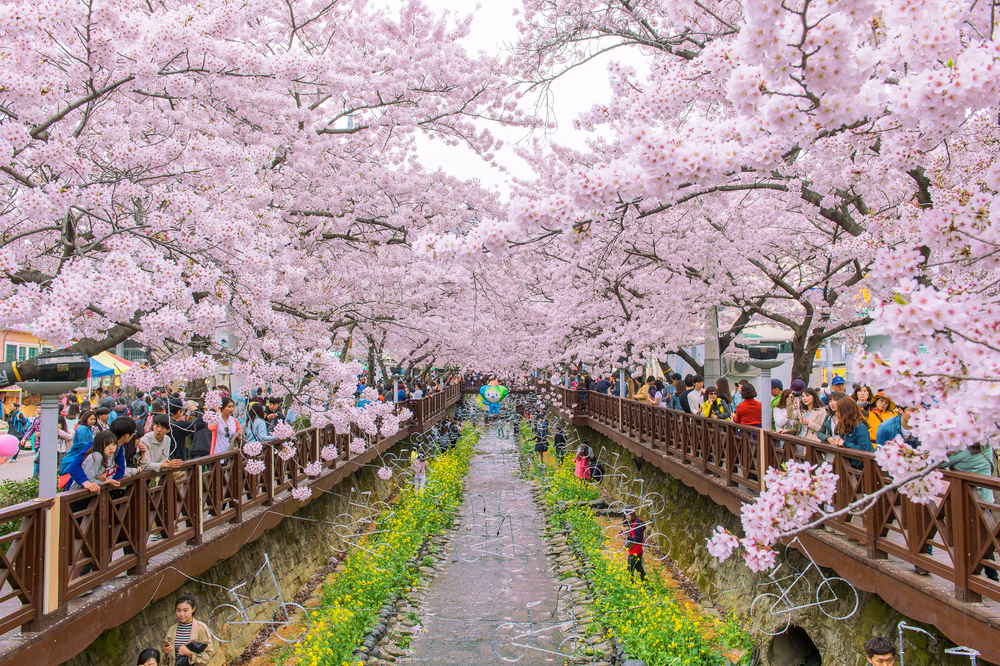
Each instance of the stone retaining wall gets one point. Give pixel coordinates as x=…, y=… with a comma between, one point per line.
x=690, y=518
x=297, y=550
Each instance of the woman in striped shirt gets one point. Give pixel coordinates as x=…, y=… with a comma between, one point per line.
x=187, y=630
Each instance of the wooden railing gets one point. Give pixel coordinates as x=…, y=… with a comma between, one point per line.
x=118, y=530
x=962, y=528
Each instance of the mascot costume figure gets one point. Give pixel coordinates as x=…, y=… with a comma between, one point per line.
x=493, y=395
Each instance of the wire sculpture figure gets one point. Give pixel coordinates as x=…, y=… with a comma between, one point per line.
x=228, y=622
x=773, y=608
x=360, y=532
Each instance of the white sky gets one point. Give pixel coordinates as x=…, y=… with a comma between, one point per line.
x=493, y=26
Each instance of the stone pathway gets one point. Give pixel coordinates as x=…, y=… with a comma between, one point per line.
x=482, y=582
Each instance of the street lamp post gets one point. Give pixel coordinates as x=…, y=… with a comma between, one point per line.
x=764, y=357
x=765, y=390
x=58, y=373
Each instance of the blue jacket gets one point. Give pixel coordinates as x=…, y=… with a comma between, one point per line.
x=257, y=432
x=859, y=439
x=83, y=437
x=603, y=386
x=892, y=428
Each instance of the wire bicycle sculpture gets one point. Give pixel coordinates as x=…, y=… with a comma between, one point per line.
x=229, y=622
x=771, y=613
x=361, y=531
x=492, y=536
x=511, y=641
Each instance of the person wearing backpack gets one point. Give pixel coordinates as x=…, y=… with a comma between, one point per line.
x=17, y=425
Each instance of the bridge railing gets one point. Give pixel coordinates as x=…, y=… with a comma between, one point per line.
x=961, y=528
x=119, y=530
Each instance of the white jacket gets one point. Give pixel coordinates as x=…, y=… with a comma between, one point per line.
x=157, y=453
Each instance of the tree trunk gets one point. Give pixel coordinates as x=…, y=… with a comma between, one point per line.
x=196, y=389
x=371, y=363
x=690, y=360
x=802, y=364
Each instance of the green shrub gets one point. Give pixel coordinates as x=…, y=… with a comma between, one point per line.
x=15, y=492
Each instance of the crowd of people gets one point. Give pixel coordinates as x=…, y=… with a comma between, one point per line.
x=170, y=428
x=864, y=419
x=157, y=430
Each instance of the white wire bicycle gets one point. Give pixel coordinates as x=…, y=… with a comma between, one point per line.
x=229, y=622
x=771, y=613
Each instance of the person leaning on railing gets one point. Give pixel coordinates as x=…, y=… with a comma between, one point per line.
x=830, y=422
x=812, y=414
x=978, y=459
x=715, y=407
x=748, y=412
x=852, y=430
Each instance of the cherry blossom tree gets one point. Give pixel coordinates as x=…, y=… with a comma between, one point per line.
x=177, y=171
x=787, y=155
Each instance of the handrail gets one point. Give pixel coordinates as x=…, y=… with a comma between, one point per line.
x=118, y=530
x=960, y=528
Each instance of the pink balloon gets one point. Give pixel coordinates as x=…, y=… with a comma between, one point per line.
x=8, y=445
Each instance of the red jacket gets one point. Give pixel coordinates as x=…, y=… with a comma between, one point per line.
x=748, y=413
x=635, y=537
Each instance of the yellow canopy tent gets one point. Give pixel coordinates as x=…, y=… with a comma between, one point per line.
x=116, y=363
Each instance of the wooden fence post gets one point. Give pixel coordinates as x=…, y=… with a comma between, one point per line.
x=962, y=527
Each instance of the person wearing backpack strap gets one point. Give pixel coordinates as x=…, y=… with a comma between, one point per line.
x=17, y=425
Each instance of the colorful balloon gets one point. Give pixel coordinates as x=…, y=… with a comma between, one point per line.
x=8, y=445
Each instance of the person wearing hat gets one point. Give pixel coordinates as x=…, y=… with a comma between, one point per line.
x=776, y=390
x=838, y=385
x=883, y=409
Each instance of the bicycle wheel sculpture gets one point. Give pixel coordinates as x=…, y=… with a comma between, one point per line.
x=837, y=598
x=227, y=623
x=290, y=622
x=767, y=616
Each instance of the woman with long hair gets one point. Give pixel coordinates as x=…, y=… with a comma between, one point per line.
x=675, y=399
x=257, y=424
x=72, y=412
x=852, y=429
x=786, y=414
x=865, y=397
x=722, y=385
x=811, y=414
x=830, y=422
